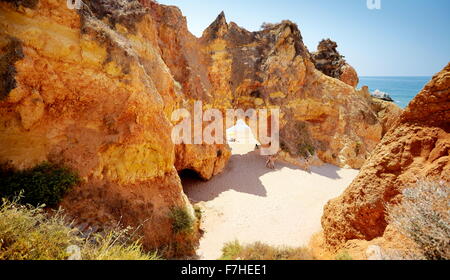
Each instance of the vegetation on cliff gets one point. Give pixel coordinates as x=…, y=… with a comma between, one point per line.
x=259, y=251
x=424, y=217
x=30, y=233
x=46, y=183
x=182, y=221
x=415, y=147
x=185, y=227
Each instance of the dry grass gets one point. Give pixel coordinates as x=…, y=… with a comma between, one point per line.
x=343, y=256
x=424, y=217
x=29, y=233
x=260, y=251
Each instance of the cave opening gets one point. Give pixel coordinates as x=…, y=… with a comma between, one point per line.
x=190, y=180
x=189, y=174
x=242, y=142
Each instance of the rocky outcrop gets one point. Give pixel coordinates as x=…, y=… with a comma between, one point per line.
x=90, y=90
x=349, y=75
x=382, y=95
x=330, y=62
x=182, y=53
x=417, y=147
x=272, y=68
x=94, y=89
x=230, y=67
x=386, y=111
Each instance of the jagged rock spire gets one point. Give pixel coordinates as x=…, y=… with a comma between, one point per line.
x=218, y=27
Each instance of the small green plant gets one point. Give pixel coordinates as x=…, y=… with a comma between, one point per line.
x=306, y=150
x=267, y=25
x=31, y=233
x=198, y=212
x=182, y=221
x=44, y=184
x=259, y=251
x=186, y=234
x=343, y=256
x=231, y=250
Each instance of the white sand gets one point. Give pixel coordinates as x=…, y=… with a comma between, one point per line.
x=251, y=203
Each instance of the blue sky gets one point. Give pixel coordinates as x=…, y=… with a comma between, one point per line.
x=403, y=38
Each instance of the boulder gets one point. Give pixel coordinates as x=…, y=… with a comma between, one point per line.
x=416, y=147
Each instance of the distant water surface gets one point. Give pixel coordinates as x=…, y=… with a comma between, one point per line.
x=401, y=89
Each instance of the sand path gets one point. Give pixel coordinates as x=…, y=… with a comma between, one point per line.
x=250, y=203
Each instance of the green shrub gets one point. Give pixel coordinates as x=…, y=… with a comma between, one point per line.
x=231, y=251
x=29, y=233
x=259, y=251
x=185, y=227
x=182, y=221
x=306, y=150
x=44, y=184
x=343, y=256
x=198, y=212
x=284, y=147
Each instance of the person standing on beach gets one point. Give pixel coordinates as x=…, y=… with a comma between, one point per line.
x=308, y=161
x=270, y=163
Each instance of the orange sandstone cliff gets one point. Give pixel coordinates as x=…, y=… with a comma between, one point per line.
x=272, y=68
x=89, y=89
x=94, y=89
x=417, y=147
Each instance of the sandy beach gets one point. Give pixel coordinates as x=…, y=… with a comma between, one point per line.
x=249, y=202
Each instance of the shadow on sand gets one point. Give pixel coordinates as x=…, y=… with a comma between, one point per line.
x=242, y=174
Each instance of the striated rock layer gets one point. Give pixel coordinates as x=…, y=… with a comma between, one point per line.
x=330, y=62
x=417, y=147
x=89, y=89
x=182, y=53
x=230, y=67
x=94, y=89
x=272, y=68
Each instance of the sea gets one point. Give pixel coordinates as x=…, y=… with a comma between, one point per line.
x=401, y=89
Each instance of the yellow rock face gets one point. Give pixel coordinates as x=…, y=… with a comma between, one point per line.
x=82, y=95
x=94, y=89
x=416, y=147
x=272, y=69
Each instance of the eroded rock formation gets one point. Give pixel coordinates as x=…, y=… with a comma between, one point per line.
x=417, y=147
x=387, y=112
x=94, y=89
x=330, y=62
x=230, y=67
x=182, y=53
x=90, y=90
x=272, y=68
